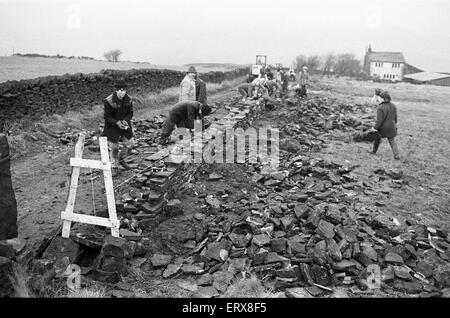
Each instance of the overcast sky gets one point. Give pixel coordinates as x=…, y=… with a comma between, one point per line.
x=176, y=32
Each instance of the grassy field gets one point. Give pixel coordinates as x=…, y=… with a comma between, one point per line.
x=423, y=140
x=18, y=68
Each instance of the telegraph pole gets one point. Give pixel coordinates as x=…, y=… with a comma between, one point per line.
x=13, y=50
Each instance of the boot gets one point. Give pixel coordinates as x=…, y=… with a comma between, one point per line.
x=122, y=155
x=376, y=144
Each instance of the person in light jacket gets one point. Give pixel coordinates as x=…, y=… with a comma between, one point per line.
x=303, y=82
x=386, y=124
x=187, y=86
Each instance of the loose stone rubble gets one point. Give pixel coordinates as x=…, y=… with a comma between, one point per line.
x=308, y=228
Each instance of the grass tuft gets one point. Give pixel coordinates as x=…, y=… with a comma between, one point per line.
x=249, y=288
x=20, y=278
x=92, y=292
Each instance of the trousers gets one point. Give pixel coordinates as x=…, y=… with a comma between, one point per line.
x=392, y=143
x=114, y=155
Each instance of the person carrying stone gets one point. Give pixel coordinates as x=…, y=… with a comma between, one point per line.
x=188, y=86
x=386, y=124
x=118, y=112
x=182, y=114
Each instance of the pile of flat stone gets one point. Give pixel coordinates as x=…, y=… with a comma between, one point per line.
x=313, y=228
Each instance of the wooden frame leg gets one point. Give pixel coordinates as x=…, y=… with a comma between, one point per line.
x=109, y=188
x=79, y=147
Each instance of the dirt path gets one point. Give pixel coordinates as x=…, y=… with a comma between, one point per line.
x=41, y=184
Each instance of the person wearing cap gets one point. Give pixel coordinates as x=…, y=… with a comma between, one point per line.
x=303, y=81
x=188, y=86
x=182, y=114
x=386, y=123
x=118, y=112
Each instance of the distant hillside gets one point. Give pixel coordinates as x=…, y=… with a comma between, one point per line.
x=214, y=66
x=28, y=66
x=24, y=67
x=58, y=56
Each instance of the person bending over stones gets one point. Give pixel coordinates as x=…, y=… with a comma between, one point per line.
x=386, y=123
x=182, y=114
x=118, y=112
x=246, y=90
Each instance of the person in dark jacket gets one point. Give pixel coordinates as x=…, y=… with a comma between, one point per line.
x=182, y=114
x=200, y=90
x=118, y=112
x=386, y=124
x=269, y=74
x=284, y=81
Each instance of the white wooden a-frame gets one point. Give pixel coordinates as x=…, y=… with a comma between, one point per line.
x=67, y=215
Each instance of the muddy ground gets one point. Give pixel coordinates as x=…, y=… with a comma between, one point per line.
x=41, y=180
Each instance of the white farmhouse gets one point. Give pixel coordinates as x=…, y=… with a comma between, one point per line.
x=388, y=66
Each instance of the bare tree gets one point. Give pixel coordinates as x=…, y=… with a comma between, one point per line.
x=313, y=63
x=108, y=56
x=113, y=55
x=347, y=65
x=329, y=62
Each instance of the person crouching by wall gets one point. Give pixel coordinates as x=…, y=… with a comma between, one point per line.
x=386, y=123
x=118, y=112
x=246, y=90
x=182, y=114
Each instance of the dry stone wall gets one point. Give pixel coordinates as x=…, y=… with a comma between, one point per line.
x=32, y=99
